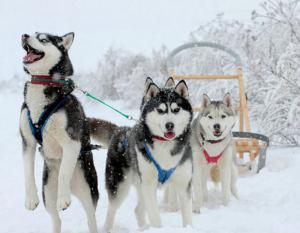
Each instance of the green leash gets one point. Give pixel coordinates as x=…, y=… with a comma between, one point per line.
x=105, y=104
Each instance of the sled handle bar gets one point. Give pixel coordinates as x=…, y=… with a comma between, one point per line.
x=201, y=44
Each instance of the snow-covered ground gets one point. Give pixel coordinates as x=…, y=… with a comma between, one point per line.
x=269, y=202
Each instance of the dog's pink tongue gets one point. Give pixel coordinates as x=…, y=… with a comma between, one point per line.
x=169, y=135
x=30, y=57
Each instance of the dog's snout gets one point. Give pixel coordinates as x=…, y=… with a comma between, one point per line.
x=25, y=36
x=169, y=126
x=217, y=126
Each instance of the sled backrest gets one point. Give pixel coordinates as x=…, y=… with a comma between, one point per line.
x=242, y=109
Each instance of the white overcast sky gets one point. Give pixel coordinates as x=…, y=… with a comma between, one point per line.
x=135, y=25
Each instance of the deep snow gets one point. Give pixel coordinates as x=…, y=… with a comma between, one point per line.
x=269, y=202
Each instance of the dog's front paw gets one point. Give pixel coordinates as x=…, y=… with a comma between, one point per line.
x=196, y=206
x=225, y=201
x=156, y=224
x=205, y=196
x=106, y=229
x=196, y=210
x=63, y=202
x=144, y=227
x=31, y=201
x=172, y=208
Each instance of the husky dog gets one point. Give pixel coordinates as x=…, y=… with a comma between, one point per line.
x=64, y=136
x=169, y=84
x=160, y=139
x=214, y=149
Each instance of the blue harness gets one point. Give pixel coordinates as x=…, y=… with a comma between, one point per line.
x=163, y=174
x=37, y=129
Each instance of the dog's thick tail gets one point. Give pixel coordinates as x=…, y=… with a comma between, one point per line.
x=215, y=174
x=101, y=130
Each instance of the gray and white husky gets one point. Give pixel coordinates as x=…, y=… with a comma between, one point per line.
x=64, y=136
x=163, y=134
x=214, y=152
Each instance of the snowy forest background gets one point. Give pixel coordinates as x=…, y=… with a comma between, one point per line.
x=270, y=50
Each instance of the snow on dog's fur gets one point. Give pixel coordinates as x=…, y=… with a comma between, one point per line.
x=68, y=164
x=165, y=113
x=211, y=132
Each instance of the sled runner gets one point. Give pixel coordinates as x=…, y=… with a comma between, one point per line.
x=246, y=142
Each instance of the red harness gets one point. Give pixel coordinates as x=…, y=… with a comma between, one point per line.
x=212, y=159
x=48, y=80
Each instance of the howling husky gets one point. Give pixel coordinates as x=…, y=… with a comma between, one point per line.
x=214, y=149
x=53, y=118
x=154, y=152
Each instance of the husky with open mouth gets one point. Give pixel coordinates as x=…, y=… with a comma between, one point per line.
x=156, y=151
x=214, y=152
x=54, y=119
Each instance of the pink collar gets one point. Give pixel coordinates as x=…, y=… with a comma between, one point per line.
x=48, y=80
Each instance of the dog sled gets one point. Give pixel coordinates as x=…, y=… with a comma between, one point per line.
x=247, y=142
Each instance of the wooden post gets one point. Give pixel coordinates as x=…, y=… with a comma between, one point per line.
x=244, y=104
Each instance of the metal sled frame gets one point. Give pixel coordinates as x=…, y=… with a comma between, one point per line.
x=246, y=142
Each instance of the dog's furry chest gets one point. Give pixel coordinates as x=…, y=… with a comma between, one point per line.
x=161, y=152
x=213, y=150
x=36, y=101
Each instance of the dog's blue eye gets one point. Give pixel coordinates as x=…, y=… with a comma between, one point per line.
x=44, y=41
x=223, y=116
x=210, y=117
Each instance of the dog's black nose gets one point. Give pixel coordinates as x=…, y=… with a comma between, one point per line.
x=217, y=126
x=169, y=126
x=25, y=36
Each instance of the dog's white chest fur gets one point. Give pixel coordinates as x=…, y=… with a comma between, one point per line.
x=161, y=152
x=35, y=100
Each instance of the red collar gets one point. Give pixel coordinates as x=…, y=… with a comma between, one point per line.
x=48, y=80
x=158, y=138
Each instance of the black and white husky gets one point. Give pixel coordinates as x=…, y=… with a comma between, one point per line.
x=155, y=151
x=214, y=152
x=64, y=136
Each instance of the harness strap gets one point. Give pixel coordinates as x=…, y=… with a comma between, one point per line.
x=37, y=129
x=163, y=174
x=212, y=159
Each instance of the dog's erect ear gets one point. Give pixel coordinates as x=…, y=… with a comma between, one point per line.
x=170, y=83
x=147, y=84
x=182, y=89
x=152, y=91
x=68, y=40
x=205, y=101
x=227, y=100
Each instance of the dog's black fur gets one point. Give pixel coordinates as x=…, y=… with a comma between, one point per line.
x=121, y=156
